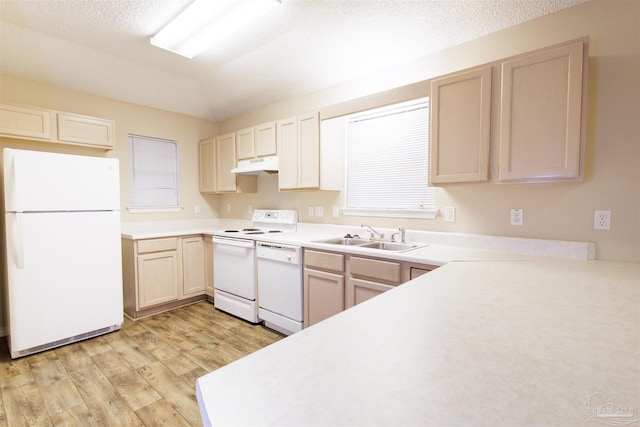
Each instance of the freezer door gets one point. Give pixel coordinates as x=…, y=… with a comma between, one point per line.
x=40, y=182
x=64, y=274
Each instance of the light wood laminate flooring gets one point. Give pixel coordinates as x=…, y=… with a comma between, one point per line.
x=142, y=375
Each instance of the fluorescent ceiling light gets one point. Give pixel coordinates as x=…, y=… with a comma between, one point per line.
x=206, y=22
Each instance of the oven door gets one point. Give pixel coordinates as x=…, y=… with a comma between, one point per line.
x=235, y=267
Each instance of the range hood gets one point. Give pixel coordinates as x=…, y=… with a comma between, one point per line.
x=259, y=166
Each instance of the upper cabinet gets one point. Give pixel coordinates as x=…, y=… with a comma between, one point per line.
x=257, y=141
x=217, y=157
x=460, y=127
x=537, y=118
x=540, y=118
x=299, y=148
x=306, y=163
x=57, y=127
x=265, y=140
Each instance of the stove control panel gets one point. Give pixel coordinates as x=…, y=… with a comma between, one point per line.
x=275, y=216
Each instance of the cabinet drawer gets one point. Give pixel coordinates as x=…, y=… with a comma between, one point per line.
x=156, y=245
x=324, y=260
x=387, y=271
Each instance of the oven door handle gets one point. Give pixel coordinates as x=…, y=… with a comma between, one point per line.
x=234, y=242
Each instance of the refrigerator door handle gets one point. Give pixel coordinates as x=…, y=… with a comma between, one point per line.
x=19, y=242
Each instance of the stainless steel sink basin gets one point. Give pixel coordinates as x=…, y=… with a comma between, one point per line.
x=349, y=241
x=366, y=243
x=390, y=246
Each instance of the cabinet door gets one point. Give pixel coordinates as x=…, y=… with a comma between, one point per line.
x=207, y=157
x=245, y=144
x=157, y=278
x=193, y=266
x=323, y=295
x=541, y=115
x=86, y=130
x=225, y=161
x=265, y=140
x=26, y=122
x=309, y=151
x=287, y=137
x=460, y=127
x=208, y=262
x=359, y=290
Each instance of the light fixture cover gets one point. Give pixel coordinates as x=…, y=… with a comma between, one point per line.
x=206, y=22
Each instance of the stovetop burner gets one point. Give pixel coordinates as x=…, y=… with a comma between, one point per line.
x=268, y=221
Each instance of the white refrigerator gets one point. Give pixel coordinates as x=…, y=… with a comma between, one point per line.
x=63, y=266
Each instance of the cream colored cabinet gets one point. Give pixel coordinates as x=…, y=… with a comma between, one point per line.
x=207, y=165
x=208, y=250
x=25, y=122
x=225, y=161
x=193, y=266
x=257, y=141
x=324, y=285
x=299, y=152
x=161, y=274
x=541, y=115
x=460, y=124
x=157, y=272
x=57, y=127
x=369, y=277
x=245, y=141
x=265, y=140
x=83, y=130
x=413, y=270
x=217, y=156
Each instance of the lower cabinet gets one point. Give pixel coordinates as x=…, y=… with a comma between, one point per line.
x=324, y=291
x=335, y=281
x=369, y=277
x=161, y=274
x=157, y=278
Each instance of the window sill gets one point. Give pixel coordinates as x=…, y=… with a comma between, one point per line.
x=155, y=209
x=392, y=213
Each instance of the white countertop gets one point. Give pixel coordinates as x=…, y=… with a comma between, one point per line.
x=471, y=343
x=440, y=247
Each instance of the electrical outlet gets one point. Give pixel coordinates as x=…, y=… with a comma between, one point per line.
x=310, y=210
x=319, y=211
x=250, y=209
x=602, y=220
x=228, y=207
x=335, y=212
x=517, y=216
x=450, y=214
x=196, y=209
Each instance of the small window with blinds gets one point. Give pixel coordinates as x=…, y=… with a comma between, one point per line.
x=153, y=174
x=387, y=162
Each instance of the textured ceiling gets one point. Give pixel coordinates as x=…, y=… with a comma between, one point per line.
x=102, y=47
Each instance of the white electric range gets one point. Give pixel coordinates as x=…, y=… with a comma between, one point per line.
x=257, y=280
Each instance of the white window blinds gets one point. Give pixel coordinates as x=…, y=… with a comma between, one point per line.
x=153, y=166
x=387, y=158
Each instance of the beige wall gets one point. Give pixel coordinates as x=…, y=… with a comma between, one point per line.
x=129, y=119
x=551, y=211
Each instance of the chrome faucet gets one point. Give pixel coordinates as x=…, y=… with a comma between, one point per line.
x=401, y=233
x=380, y=235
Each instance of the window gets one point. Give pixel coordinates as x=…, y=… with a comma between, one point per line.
x=153, y=172
x=387, y=162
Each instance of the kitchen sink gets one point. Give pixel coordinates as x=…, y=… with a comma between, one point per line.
x=349, y=241
x=366, y=243
x=390, y=246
